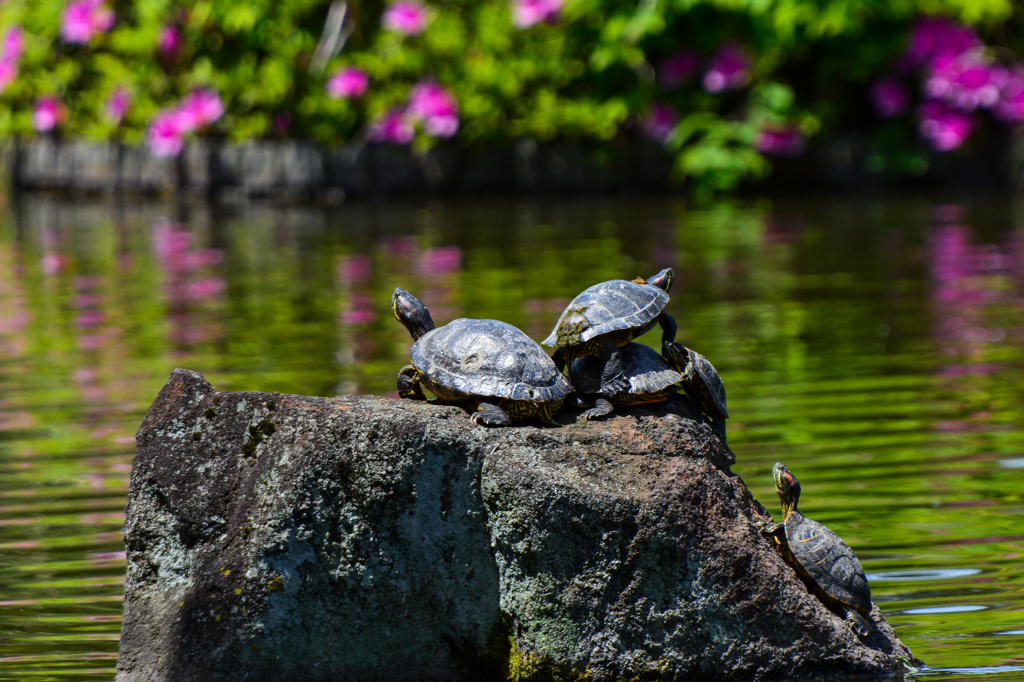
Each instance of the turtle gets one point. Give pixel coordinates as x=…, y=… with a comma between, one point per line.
x=651, y=379
x=487, y=366
x=823, y=561
x=607, y=316
x=700, y=382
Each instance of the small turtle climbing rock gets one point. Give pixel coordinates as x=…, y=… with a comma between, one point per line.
x=651, y=379
x=700, y=381
x=820, y=557
x=484, y=365
x=607, y=316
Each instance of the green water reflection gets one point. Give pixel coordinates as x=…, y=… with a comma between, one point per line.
x=876, y=347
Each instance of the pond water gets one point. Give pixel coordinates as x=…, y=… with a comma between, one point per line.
x=875, y=347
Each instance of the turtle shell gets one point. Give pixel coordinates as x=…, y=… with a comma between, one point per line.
x=617, y=305
x=646, y=370
x=702, y=377
x=489, y=358
x=828, y=561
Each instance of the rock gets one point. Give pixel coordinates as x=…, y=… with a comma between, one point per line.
x=281, y=537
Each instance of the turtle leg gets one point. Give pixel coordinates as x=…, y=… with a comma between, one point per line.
x=601, y=408
x=771, y=531
x=409, y=383
x=546, y=416
x=613, y=378
x=859, y=624
x=668, y=328
x=490, y=414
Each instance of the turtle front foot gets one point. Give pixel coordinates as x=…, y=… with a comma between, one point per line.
x=601, y=408
x=860, y=625
x=489, y=414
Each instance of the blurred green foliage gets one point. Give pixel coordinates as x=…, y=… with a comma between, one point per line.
x=591, y=75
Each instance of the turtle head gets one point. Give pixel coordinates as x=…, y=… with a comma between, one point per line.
x=787, y=487
x=411, y=312
x=663, y=280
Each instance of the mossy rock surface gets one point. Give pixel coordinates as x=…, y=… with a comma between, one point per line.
x=364, y=538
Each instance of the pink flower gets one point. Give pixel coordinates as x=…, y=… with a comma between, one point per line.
x=781, y=141
x=347, y=83
x=392, y=127
x=83, y=19
x=169, y=41
x=8, y=72
x=678, y=68
x=49, y=113
x=526, y=13
x=13, y=45
x=964, y=80
x=435, y=106
x=282, y=122
x=10, y=52
x=932, y=36
x=1010, y=107
x=946, y=128
x=202, y=107
x=117, y=105
x=729, y=69
x=660, y=121
x=165, y=134
x=890, y=97
x=407, y=17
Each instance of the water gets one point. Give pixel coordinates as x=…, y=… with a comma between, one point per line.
x=873, y=346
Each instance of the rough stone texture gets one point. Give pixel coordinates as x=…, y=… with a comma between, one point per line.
x=362, y=538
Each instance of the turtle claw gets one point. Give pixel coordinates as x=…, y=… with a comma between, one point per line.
x=615, y=387
x=601, y=408
x=489, y=414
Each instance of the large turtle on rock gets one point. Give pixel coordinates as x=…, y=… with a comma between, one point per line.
x=651, y=380
x=608, y=315
x=823, y=561
x=484, y=365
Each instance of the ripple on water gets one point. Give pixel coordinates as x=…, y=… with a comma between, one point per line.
x=922, y=574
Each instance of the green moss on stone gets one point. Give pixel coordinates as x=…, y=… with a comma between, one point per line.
x=269, y=404
x=267, y=427
x=526, y=667
x=210, y=413
x=196, y=435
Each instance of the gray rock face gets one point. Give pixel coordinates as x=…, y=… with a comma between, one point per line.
x=358, y=538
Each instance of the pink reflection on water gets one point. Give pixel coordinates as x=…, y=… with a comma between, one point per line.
x=193, y=286
x=971, y=285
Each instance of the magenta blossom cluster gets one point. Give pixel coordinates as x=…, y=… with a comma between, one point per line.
x=347, y=83
x=83, y=19
x=169, y=42
x=660, y=121
x=958, y=79
x=526, y=13
x=118, y=105
x=435, y=108
x=784, y=140
x=10, y=52
x=430, y=105
x=408, y=17
x=166, y=133
x=393, y=126
x=48, y=114
x=729, y=69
